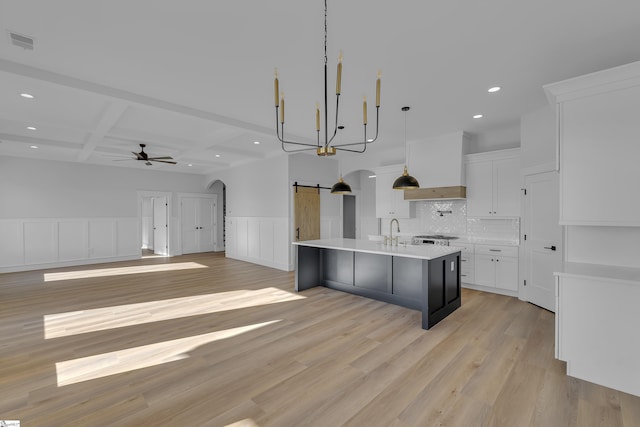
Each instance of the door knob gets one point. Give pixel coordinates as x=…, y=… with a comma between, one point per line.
x=553, y=248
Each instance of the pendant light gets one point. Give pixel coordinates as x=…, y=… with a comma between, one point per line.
x=405, y=181
x=340, y=187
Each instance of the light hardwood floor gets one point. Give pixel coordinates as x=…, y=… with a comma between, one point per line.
x=208, y=341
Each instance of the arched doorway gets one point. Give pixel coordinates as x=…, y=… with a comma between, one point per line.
x=219, y=188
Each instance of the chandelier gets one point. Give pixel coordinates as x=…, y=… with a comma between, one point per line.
x=325, y=148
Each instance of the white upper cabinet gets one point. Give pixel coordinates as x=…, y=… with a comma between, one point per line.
x=493, y=184
x=390, y=203
x=598, y=145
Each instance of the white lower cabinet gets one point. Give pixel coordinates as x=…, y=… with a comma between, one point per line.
x=490, y=266
x=466, y=262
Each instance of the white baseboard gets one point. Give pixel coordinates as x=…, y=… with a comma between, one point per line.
x=266, y=263
x=490, y=289
x=46, y=266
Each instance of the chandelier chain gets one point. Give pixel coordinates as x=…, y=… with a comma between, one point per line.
x=325, y=32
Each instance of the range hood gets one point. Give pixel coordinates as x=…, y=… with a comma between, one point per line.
x=436, y=193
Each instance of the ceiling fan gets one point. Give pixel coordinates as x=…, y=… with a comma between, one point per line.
x=145, y=157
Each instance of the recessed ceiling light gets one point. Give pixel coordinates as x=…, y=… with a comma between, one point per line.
x=370, y=140
x=31, y=128
x=189, y=165
x=217, y=155
x=477, y=116
x=34, y=146
x=26, y=95
x=494, y=89
x=372, y=176
x=256, y=142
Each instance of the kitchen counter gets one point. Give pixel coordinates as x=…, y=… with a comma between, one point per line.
x=371, y=247
x=597, y=318
x=421, y=277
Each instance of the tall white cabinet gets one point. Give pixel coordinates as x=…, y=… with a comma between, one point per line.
x=598, y=145
x=493, y=184
x=597, y=291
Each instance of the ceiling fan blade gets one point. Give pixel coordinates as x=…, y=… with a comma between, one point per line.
x=161, y=158
x=163, y=161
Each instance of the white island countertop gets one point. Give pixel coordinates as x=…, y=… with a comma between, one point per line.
x=367, y=246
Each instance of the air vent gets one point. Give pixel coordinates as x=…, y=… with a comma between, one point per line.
x=21, y=41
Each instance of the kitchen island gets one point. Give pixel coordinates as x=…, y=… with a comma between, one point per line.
x=425, y=277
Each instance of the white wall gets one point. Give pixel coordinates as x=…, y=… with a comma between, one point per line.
x=618, y=246
x=64, y=213
x=538, y=139
x=502, y=138
x=258, y=211
x=257, y=189
x=32, y=188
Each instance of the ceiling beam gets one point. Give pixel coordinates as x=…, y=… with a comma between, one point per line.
x=108, y=120
x=72, y=82
x=38, y=141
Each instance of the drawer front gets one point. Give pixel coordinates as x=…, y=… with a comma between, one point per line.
x=467, y=276
x=497, y=250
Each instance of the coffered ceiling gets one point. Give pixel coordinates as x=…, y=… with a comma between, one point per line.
x=194, y=79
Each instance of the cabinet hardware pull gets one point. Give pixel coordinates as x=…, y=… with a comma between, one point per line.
x=553, y=248
x=495, y=250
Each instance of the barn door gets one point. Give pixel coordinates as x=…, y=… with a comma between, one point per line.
x=307, y=213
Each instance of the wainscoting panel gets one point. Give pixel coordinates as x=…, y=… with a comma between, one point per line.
x=266, y=239
x=102, y=238
x=73, y=242
x=253, y=239
x=260, y=240
x=31, y=244
x=41, y=241
x=127, y=237
x=11, y=243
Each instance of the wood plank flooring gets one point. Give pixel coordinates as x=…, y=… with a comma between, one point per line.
x=217, y=342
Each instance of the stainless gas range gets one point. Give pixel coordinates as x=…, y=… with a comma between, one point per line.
x=434, y=239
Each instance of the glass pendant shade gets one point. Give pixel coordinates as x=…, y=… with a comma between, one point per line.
x=405, y=182
x=341, y=187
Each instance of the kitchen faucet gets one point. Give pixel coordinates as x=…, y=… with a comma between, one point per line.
x=391, y=238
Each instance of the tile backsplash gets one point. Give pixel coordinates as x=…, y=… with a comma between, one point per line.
x=450, y=217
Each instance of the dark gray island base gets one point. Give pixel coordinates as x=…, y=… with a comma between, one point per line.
x=430, y=284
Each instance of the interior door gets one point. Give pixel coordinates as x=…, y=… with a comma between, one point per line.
x=160, y=226
x=189, y=223
x=306, y=205
x=543, y=245
x=349, y=216
x=207, y=224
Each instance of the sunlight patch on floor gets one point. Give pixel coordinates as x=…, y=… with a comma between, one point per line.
x=118, y=271
x=117, y=362
x=103, y=318
x=247, y=422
